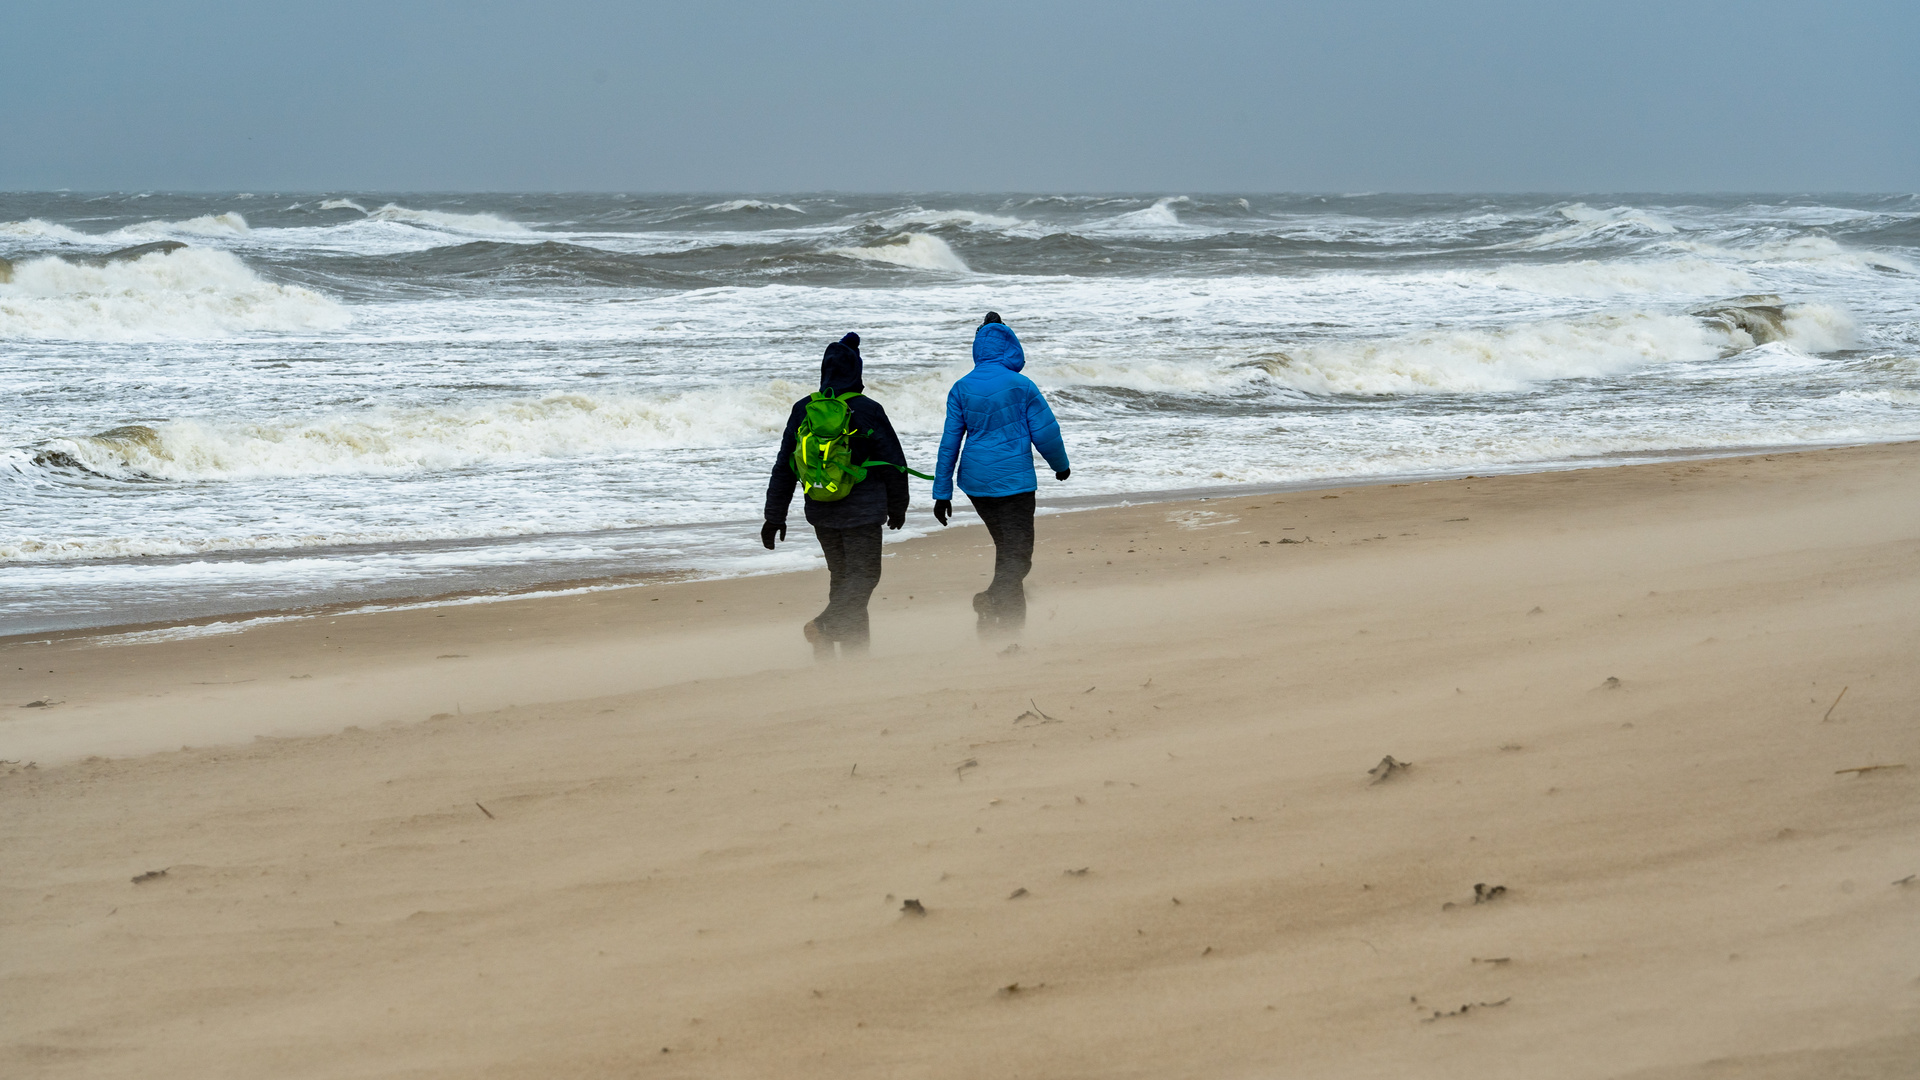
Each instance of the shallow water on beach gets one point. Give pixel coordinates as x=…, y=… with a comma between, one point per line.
x=366, y=396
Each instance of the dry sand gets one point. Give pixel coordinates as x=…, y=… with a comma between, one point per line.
x=1146, y=842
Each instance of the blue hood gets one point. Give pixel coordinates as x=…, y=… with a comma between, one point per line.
x=994, y=343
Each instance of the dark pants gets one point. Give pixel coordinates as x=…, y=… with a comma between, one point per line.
x=1009, y=521
x=853, y=568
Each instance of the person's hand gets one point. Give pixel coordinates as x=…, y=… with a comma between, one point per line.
x=768, y=530
x=896, y=518
x=1062, y=474
x=942, y=510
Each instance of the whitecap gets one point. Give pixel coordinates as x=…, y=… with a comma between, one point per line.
x=917, y=250
x=1588, y=223
x=227, y=224
x=1514, y=358
x=936, y=218
x=1589, y=277
x=1812, y=250
x=388, y=441
x=440, y=219
x=1161, y=214
x=34, y=228
x=188, y=293
x=733, y=205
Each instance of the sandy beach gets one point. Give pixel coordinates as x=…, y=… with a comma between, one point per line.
x=1660, y=816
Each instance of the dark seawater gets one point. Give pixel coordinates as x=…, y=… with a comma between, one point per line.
x=366, y=396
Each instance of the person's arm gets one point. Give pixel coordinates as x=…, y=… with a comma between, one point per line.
x=780, y=486
x=886, y=447
x=950, y=439
x=1044, y=430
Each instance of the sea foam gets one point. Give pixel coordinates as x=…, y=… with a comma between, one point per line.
x=36, y=229
x=917, y=250
x=1512, y=358
x=213, y=225
x=386, y=441
x=736, y=205
x=189, y=293
x=485, y=224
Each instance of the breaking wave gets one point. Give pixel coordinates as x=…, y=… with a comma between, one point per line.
x=481, y=224
x=440, y=219
x=227, y=224
x=34, y=228
x=1514, y=358
x=1587, y=223
x=189, y=293
x=1687, y=277
x=388, y=441
x=735, y=205
x=1160, y=214
x=917, y=250
x=933, y=219
x=1815, y=250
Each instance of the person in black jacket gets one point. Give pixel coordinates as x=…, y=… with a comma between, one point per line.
x=849, y=529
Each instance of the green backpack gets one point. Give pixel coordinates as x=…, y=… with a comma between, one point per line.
x=823, y=449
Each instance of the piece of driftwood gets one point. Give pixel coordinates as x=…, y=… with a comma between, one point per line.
x=1387, y=769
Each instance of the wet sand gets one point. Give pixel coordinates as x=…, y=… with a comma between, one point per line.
x=641, y=833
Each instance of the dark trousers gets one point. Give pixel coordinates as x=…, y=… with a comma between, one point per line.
x=1009, y=520
x=853, y=569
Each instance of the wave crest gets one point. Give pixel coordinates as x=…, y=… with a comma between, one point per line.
x=736, y=205
x=1161, y=214
x=400, y=440
x=1587, y=223
x=450, y=222
x=227, y=224
x=1511, y=359
x=917, y=250
x=34, y=228
x=188, y=293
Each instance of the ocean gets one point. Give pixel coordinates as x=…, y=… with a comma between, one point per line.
x=371, y=398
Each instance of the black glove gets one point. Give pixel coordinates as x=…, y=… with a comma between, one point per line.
x=768, y=530
x=896, y=518
x=1063, y=474
x=942, y=510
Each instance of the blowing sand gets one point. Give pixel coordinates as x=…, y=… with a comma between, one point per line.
x=643, y=834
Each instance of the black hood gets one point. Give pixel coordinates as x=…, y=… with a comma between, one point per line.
x=840, y=369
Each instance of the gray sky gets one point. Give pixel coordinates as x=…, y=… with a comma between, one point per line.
x=1136, y=95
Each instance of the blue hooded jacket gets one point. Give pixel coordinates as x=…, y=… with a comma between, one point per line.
x=1002, y=418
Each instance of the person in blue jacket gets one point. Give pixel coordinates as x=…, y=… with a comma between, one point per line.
x=1001, y=418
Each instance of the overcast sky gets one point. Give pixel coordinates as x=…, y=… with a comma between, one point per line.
x=1125, y=95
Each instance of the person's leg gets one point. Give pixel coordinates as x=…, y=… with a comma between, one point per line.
x=1009, y=520
x=860, y=576
x=820, y=629
x=1013, y=560
x=988, y=508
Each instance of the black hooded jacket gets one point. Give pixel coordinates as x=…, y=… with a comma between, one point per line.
x=882, y=493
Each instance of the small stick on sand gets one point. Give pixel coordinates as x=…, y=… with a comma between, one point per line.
x=485, y=811
x=1835, y=705
x=1865, y=769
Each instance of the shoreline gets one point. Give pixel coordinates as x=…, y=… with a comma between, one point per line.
x=538, y=587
